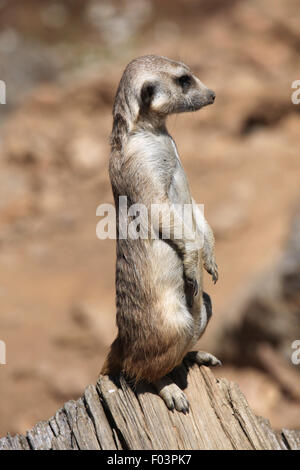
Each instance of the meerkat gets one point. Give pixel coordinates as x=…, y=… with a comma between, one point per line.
x=162, y=310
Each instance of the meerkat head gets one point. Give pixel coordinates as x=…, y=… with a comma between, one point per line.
x=153, y=85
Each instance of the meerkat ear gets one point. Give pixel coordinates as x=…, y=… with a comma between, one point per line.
x=147, y=93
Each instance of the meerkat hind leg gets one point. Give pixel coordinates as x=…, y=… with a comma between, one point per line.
x=203, y=358
x=172, y=395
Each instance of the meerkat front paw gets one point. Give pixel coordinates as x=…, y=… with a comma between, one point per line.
x=172, y=395
x=203, y=358
x=212, y=269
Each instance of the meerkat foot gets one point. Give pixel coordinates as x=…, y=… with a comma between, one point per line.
x=203, y=358
x=172, y=395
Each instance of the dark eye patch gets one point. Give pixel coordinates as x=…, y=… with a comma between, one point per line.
x=184, y=81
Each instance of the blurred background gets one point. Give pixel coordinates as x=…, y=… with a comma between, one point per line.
x=61, y=61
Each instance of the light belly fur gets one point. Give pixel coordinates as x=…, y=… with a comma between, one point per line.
x=167, y=277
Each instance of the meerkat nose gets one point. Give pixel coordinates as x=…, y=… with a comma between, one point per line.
x=212, y=95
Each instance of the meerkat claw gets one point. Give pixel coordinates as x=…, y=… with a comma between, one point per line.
x=214, y=273
x=215, y=276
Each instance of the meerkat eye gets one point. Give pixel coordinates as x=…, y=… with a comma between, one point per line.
x=184, y=81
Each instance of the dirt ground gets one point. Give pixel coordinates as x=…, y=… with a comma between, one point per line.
x=241, y=155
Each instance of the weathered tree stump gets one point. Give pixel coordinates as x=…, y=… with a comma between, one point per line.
x=114, y=416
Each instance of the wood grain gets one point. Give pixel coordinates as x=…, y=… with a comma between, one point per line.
x=114, y=416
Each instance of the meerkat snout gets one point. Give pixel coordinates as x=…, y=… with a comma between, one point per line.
x=204, y=97
x=212, y=95
x=179, y=92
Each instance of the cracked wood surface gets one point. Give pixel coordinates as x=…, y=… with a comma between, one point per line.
x=113, y=416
